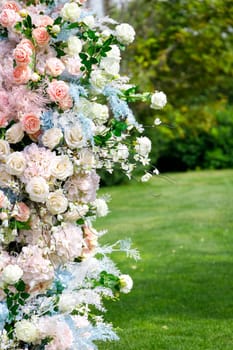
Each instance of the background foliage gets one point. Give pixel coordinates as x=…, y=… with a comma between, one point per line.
x=184, y=48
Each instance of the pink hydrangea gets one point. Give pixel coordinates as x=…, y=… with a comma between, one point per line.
x=38, y=270
x=66, y=241
x=82, y=187
x=39, y=160
x=58, y=330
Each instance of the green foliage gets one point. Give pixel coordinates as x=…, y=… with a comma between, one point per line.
x=184, y=48
x=183, y=287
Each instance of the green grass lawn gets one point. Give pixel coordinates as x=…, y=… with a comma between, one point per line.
x=183, y=285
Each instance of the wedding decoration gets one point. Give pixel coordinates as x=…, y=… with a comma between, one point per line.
x=64, y=115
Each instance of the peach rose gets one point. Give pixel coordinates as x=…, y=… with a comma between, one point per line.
x=41, y=36
x=67, y=103
x=30, y=123
x=8, y=18
x=34, y=137
x=58, y=90
x=44, y=21
x=54, y=66
x=3, y=120
x=27, y=43
x=23, y=212
x=11, y=5
x=21, y=74
x=22, y=54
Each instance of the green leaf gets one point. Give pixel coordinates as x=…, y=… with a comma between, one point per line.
x=20, y=286
x=57, y=21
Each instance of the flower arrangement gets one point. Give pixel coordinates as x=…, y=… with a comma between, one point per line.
x=64, y=115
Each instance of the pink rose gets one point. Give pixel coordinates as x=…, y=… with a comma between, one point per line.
x=22, y=74
x=65, y=104
x=11, y=5
x=34, y=137
x=23, y=212
x=41, y=36
x=27, y=43
x=22, y=54
x=44, y=21
x=3, y=200
x=54, y=66
x=30, y=123
x=4, y=100
x=58, y=90
x=8, y=18
x=3, y=120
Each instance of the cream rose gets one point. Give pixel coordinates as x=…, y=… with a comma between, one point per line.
x=125, y=33
x=89, y=21
x=74, y=46
x=15, y=163
x=54, y=66
x=71, y=12
x=11, y=274
x=52, y=137
x=5, y=177
x=38, y=189
x=98, y=79
x=101, y=207
x=57, y=203
x=76, y=212
x=4, y=149
x=62, y=167
x=74, y=137
x=15, y=133
x=26, y=331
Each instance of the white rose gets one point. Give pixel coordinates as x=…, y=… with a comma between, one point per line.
x=89, y=21
x=15, y=163
x=5, y=177
x=126, y=283
x=100, y=112
x=57, y=203
x=26, y=331
x=74, y=137
x=38, y=189
x=62, y=167
x=67, y=303
x=11, y=274
x=146, y=177
x=110, y=65
x=84, y=106
x=125, y=33
x=101, y=207
x=15, y=133
x=74, y=46
x=52, y=137
x=114, y=53
x=4, y=149
x=75, y=213
x=98, y=79
x=143, y=146
x=158, y=100
x=71, y=12
x=86, y=159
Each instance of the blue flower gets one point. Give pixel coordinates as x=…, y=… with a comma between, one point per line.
x=4, y=313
